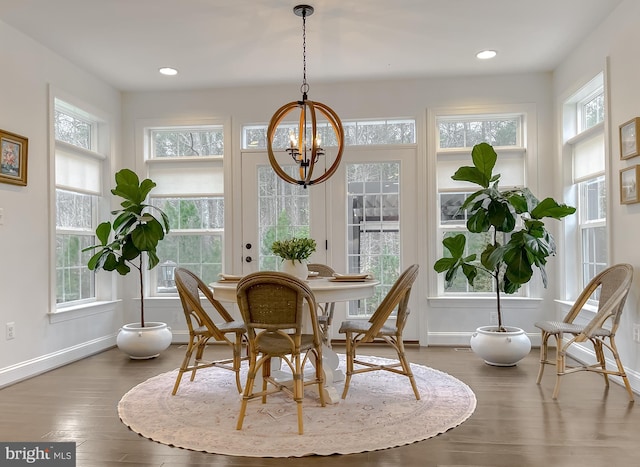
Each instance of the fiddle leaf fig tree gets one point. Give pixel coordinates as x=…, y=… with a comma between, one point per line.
x=492, y=210
x=136, y=232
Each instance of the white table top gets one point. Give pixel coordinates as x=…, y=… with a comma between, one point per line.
x=324, y=289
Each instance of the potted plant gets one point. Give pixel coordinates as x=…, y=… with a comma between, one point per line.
x=518, y=213
x=136, y=233
x=294, y=253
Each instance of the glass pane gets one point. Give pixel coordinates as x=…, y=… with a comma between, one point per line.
x=593, y=197
x=283, y=212
x=194, y=142
x=74, y=280
x=195, y=241
x=466, y=133
x=71, y=129
x=355, y=133
x=373, y=227
x=594, y=252
x=593, y=111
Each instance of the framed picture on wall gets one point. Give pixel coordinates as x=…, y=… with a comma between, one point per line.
x=629, y=193
x=629, y=133
x=13, y=158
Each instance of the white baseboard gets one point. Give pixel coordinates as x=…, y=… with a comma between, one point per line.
x=29, y=368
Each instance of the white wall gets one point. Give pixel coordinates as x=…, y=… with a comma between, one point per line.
x=27, y=71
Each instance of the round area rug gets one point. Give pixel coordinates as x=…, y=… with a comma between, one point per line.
x=380, y=412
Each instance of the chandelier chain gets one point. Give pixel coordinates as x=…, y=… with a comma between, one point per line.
x=305, y=86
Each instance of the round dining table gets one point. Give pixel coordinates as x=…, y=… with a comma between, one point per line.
x=325, y=290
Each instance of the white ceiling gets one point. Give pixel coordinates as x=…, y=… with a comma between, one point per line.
x=219, y=43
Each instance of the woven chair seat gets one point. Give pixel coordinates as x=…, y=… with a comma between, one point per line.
x=360, y=326
x=559, y=327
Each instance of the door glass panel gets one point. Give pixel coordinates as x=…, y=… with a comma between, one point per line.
x=283, y=212
x=373, y=228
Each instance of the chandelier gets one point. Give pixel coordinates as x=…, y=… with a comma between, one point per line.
x=305, y=146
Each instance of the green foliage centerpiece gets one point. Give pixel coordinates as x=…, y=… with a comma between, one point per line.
x=294, y=249
x=491, y=210
x=136, y=231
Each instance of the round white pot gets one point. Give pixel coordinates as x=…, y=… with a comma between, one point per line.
x=144, y=342
x=296, y=268
x=500, y=348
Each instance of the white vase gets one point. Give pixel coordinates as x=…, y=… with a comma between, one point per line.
x=144, y=342
x=296, y=268
x=500, y=348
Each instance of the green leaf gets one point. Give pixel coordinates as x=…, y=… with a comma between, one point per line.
x=444, y=264
x=484, y=158
x=103, y=231
x=455, y=245
x=471, y=174
x=478, y=222
x=470, y=271
x=548, y=207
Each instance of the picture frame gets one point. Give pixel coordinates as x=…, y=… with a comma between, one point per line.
x=14, y=150
x=629, y=192
x=629, y=133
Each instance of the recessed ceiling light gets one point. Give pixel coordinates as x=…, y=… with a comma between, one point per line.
x=168, y=71
x=486, y=54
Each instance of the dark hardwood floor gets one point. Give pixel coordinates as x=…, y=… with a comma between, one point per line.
x=516, y=422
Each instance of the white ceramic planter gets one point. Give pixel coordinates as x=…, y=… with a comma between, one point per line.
x=144, y=342
x=296, y=268
x=500, y=348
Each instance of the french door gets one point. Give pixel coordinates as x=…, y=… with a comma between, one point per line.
x=362, y=219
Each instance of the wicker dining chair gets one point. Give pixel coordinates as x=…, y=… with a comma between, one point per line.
x=359, y=332
x=273, y=306
x=202, y=328
x=613, y=285
x=325, y=317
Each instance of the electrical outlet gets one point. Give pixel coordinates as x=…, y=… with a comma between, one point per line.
x=636, y=333
x=493, y=317
x=11, y=330
x=1, y=216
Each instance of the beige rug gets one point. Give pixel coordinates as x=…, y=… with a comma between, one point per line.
x=379, y=412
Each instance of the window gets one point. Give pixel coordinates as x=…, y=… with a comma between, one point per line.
x=357, y=133
x=583, y=116
x=456, y=136
x=373, y=228
x=79, y=169
x=186, y=162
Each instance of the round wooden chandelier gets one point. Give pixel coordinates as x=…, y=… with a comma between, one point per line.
x=305, y=147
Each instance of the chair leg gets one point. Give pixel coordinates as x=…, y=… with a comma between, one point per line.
x=184, y=366
x=599, y=351
x=248, y=390
x=237, y=359
x=350, y=356
x=560, y=369
x=623, y=374
x=298, y=391
x=544, y=350
x=406, y=367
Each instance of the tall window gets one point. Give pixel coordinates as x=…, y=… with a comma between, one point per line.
x=373, y=227
x=79, y=170
x=186, y=162
x=457, y=134
x=584, y=115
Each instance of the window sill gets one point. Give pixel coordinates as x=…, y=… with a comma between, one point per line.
x=488, y=303
x=566, y=306
x=81, y=311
